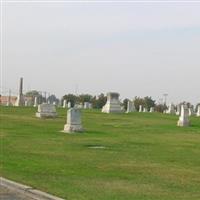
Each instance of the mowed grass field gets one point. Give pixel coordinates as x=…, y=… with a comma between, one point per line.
x=146, y=156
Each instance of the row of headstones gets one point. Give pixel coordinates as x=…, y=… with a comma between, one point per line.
x=86, y=105
x=172, y=110
x=74, y=117
x=113, y=105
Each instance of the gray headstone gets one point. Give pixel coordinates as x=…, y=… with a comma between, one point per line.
x=130, y=107
x=46, y=111
x=64, y=103
x=198, y=111
x=140, y=108
x=184, y=118
x=73, y=121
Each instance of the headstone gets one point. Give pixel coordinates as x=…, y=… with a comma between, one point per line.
x=191, y=111
x=145, y=109
x=35, y=102
x=64, y=103
x=26, y=103
x=113, y=104
x=54, y=103
x=90, y=106
x=178, y=109
x=69, y=104
x=151, y=109
x=73, y=121
x=86, y=105
x=46, y=111
x=171, y=109
x=140, y=108
x=184, y=118
x=20, y=97
x=130, y=107
x=198, y=111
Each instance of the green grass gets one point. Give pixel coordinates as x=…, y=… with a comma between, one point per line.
x=147, y=157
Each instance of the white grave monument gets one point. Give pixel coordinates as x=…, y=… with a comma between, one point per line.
x=152, y=109
x=35, y=102
x=26, y=102
x=73, y=121
x=145, y=109
x=86, y=105
x=64, y=103
x=130, y=107
x=69, y=105
x=171, y=109
x=140, y=108
x=184, y=118
x=198, y=111
x=20, y=97
x=191, y=111
x=113, y=104
x=46, y=111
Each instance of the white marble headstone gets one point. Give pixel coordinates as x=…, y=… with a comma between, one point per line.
x=184, y=118
x=46, y=111
x=73, y=121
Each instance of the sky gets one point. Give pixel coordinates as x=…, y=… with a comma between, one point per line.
x=135, y=49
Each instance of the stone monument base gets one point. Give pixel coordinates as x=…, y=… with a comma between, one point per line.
x=112, y=108
x=183, y=123
x=46, y=115
x=72, y=128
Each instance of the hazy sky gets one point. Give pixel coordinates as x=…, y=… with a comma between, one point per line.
x=136, y=49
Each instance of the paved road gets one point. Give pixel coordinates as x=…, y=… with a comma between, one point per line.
x=6, y=194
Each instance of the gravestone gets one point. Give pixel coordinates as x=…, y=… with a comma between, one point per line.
x=140, y=108
x=152, y=109
x=86, y=105
x=73, y=121
x=184, y=118
x=191, y=111
x=35, y=102
x=113, y=104
x=46, y=111
x=130, y=107
x=26, y=102
x=171, y=109
x=69, y=105
x=178, y=109
x=64, y=103
x=198, y=111
x=20, y=97
x=145, y=109
x=90, y=105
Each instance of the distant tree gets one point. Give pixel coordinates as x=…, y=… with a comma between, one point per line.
x=52, y=98
x=160, y=108
x=138, y=101
x=99, y=101
x=70, y=98
x=33, y=94
x=85, y=98
x=146, y=102
x=149, y=102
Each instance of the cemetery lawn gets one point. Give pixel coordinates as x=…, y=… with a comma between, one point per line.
x=141, y=156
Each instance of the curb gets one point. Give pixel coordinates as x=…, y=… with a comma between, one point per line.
x=27, y=190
